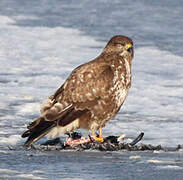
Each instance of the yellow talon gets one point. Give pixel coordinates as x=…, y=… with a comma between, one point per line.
x=100, y=138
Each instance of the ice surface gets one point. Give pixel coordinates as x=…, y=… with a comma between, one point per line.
x=8, y=173
x=11, y=140
x=170, y=167
x=40, y=44
x=36, y=61
x=135, y=157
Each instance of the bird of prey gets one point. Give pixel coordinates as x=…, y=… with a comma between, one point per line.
x=90, y=97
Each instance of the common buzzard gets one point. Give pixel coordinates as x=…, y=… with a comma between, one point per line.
x=90, y=97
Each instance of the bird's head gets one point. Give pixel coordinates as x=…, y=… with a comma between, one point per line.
x=120, y=45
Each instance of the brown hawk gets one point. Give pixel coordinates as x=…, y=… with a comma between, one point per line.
x=90, y=97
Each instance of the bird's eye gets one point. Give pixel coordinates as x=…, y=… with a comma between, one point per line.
x=129, y=49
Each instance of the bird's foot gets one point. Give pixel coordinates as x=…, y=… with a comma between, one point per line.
x=100, y=139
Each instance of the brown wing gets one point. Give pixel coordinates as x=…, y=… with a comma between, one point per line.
x=84, y=87
x=88, y=83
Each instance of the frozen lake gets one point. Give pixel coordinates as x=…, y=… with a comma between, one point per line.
x=41, y=42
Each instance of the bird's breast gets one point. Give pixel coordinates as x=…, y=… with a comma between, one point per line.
x=121, y=82
x=119, y=93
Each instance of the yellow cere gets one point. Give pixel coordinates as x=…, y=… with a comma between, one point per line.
x=128, y=46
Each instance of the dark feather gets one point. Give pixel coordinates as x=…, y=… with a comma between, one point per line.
x=52, y=115
x=71, y=116
x=38, y=131
x=41, y=127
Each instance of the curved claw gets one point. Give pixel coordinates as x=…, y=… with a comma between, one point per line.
x=100, y=138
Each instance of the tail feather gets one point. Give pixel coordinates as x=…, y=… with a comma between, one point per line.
x=41, y=126
x=39, y=129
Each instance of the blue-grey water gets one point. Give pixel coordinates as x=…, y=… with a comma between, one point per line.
x=41, y=41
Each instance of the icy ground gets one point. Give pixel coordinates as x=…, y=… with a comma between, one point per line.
x=37, y=55
x=35, y=62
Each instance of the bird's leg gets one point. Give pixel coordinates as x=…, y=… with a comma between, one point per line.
x=100, y=138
